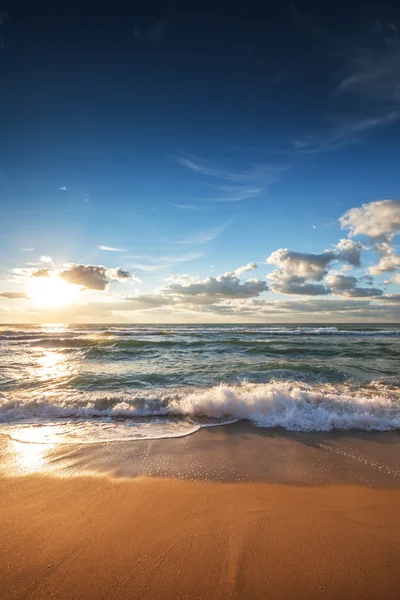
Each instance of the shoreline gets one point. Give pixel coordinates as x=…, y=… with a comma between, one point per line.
x=232, y=453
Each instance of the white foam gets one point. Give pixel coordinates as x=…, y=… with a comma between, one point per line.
x=297, y=407
x=291, y=405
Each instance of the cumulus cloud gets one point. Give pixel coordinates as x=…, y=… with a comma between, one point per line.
x=298, y=267
x=389, y=261
x=188, y=293
x=13, y=295
x=305, y=289
x=349, y=251
x=248, y=267
x=41, y=273
x=359, y=292
x=223, y=286
x=92, y=277
x=338, y=282
x=45, y=259
x=379, y=221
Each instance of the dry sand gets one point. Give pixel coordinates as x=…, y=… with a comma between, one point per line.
x=97, y=536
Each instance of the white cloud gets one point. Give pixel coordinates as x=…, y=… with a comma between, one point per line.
x=244, y=269
x=92, y=277
x=110, y=249
x=338, y=282
x=45, y=259
x=389, y=261
x=298, y=267
x=194, y=164
x=223, y=286
x=379, y=221
x=234, y=194
x=63, y=188
x=243, y=183
x=188, y=206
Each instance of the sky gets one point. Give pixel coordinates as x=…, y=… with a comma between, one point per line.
x=225, y=162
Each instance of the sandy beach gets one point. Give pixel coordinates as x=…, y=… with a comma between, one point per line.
x=79, y=529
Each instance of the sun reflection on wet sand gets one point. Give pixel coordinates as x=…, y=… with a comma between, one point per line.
x=28, y=450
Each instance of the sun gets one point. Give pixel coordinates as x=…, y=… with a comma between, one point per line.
x=52, y=291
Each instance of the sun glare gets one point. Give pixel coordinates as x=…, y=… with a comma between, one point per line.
x=52, y=291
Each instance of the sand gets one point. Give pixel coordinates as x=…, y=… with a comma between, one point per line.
x=68, y=533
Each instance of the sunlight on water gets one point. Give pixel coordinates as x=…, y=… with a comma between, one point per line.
x=54, y=328
x=51, y=365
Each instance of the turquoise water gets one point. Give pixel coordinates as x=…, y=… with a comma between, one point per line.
x=94, y=383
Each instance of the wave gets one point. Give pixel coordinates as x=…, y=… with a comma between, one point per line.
x=291, y=405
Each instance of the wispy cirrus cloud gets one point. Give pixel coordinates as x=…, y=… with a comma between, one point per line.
x=158, y=263
x=367, y=96
x=110, y=249
x=240, y=183
x=188, y=206
x=203, y=237
x=338, y=132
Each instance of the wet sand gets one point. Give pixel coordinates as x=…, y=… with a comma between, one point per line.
x=230, y=512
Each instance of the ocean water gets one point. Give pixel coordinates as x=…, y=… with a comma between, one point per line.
x=90, y=384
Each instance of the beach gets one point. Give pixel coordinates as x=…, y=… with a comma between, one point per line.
x=289, y=515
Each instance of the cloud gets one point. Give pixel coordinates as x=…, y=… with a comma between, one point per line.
x=188, y=206
x=92, y=277
x=63, y=188
x=305, y=289
x=188, y=293
x=45, y=259
x=359, y=292
x=349, y=251
x=13, y=295
x=236, y=194
x=203, y=237
x=389, y=261
x=339, y=283
x=341, y=131
x=248, y=267
x=41, y=273
x=27, y=249
x=243, y=184
x=379, y=220
x=195, y=165
x=110, y=249
x=159, y=263
x=223, y=286
x=297, y=271
x=373, y=76
x=297, y=267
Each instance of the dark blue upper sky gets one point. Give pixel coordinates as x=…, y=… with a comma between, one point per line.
x=143, y=125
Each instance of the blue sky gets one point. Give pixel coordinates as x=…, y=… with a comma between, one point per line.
x=196, y=143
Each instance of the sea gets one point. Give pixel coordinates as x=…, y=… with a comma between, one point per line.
x=105, y=383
